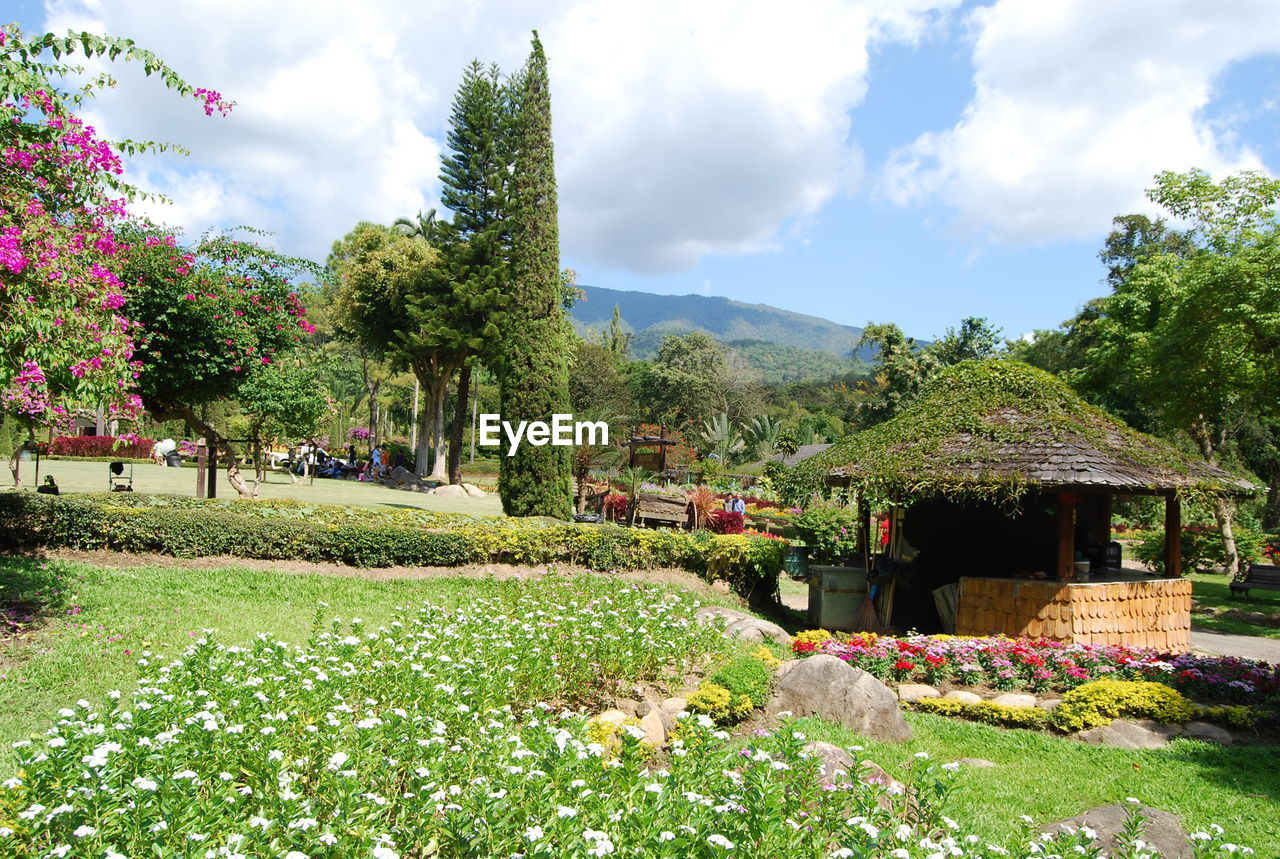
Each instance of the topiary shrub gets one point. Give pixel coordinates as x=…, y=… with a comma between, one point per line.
x=718, y=703
x=1098, y=703
x=1034, y=718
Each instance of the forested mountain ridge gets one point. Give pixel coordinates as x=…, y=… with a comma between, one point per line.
x=648, y=316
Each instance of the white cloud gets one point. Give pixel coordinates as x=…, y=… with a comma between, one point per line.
x=1078, y=104
x=681, y=129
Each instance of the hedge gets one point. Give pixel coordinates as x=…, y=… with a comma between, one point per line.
x=365, y=537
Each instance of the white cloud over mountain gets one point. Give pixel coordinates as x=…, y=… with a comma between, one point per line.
x=1078, y=104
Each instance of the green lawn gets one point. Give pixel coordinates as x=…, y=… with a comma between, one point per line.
x=1050, y=777
x=74, y=476
x=99, y=620
x=1211, y=590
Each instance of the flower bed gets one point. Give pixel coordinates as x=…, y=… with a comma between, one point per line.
x=1008, y=664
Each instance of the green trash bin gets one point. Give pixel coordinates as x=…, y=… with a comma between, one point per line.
x=796, y=562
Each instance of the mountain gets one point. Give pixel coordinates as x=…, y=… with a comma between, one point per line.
x=649, y=316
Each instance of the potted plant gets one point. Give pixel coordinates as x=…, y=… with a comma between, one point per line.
x=837, y=586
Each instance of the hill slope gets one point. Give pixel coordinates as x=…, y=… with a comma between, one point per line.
x=648, y=316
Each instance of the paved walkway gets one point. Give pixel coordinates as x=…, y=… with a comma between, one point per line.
x=1245, y=646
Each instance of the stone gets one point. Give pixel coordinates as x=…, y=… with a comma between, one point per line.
x=1160, y=829
x=1048, y=703
x=628, y=706
x=739, y=624
x=473, y=490
x=613, y=717
x=1208, y=733
x=1129, y=734
x=655, y=732
x=832, y=689
x=978, y=763
x=873, y=773
x=966, y=697
x=916, y=691
x=450, y=491
x=675, y=705
x=1014, y=699
x=834, y=761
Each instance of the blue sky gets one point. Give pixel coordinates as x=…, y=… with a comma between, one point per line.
x=887, y=160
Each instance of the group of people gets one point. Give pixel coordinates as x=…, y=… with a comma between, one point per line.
x=378, y=465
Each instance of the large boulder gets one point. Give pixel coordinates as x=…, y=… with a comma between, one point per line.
x=916, y=691
x=1160, y=829
x=739, y=624
x=1127, y=734
x=472, y=490
x=832, y=689
x=450, y=490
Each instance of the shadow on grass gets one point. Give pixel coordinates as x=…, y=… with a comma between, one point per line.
x=30, y=593
x=1248, y=770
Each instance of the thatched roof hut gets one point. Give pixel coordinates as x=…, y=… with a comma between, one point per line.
x=997, y=429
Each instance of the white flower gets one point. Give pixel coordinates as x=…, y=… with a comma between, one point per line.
x=60, y=851
x=666, y=835
x=1133, y=799
x=566, y=811
x=144, y=783
x=337, y=760
x=275, y=755
x=385, y=853
x=328, y=838
x=259, y=822
x=951, y=767
x=294, y=854
x=84, y=831
x=924, y=756
x=718, y=840
x=653, y=787
x=111, y=854
x=534, y=833
x=160, y=827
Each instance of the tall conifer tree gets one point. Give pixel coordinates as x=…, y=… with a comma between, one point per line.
x=534, y=377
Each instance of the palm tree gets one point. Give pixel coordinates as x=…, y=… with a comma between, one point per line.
x=424, y=226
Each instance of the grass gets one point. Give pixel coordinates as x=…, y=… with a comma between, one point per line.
x=1212, y=590
x=73, y=476
x=1050, y=778
x=96, y=621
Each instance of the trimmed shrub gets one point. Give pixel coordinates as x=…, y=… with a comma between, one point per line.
x=101, y=446
x=1034, y=718
x=723, y=706
x=274, y=530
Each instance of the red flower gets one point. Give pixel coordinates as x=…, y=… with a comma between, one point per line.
x=903, y=665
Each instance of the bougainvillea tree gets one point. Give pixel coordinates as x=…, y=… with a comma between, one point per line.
x=212, y=316
x=67, y=337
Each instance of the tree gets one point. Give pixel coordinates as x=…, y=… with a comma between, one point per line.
x=691, y=380
x=721, y=438
x=534, y=367
x=618, y=338
x=976, y=338
x=900, y=369
x=208, y=332
x=283, y=399
x=67, y=334
x=595, y=383
x=475, y=178
x=1196, y=327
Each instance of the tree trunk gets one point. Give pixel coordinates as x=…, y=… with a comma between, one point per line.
x=459, y=424
x=1223, y=513
x=229, y=460
x=371, y=387
x=439, y=469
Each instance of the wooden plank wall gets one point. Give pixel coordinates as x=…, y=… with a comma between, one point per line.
x=1155, y=614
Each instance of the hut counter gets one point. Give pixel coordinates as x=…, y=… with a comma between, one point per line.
x=1133, y=610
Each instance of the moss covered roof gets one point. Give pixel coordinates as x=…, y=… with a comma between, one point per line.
x=999, y=428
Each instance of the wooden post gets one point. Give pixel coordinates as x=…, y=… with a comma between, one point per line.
x=1173, y=536
x=213, y=470
x=864, y=530
x=202, y=464
x=1066, y=536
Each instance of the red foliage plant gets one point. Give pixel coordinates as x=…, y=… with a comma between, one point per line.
x=725, y=522
x=101, y=445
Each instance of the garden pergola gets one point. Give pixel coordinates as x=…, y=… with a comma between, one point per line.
x=1003, y=437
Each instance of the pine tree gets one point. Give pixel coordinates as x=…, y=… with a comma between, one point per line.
x=475, y=176
x=534, y=372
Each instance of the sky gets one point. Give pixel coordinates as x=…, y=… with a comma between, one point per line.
x=903, y=161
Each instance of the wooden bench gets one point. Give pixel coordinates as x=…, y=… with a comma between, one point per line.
x=1263, y=577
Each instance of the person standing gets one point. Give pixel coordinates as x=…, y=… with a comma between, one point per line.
x=736, y=504
x=376, y=457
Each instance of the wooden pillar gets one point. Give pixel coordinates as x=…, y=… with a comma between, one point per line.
x=1172, y=536
x=1066, y=536
x=202, y=464
x=864, y=530
x=1108, y=502
x=213, y=470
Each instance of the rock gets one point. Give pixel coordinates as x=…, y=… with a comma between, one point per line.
x=873, y=773
x=400, y=474
x=1208, y=733
x=739, y=624
x=613, y=717
x=1048, y=703
x=828, y=687
x=628, y=706
x=450, y=491
x=966, y=697
x=1014, y=699
x=675, y=705
x=473, y=490
x=655, y=732
x=1160, y=829
x=916, y=691
x=1126, y=734
x=834, y=761
x=978, y=763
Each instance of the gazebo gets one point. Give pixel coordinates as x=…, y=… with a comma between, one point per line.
x=1001, y=479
